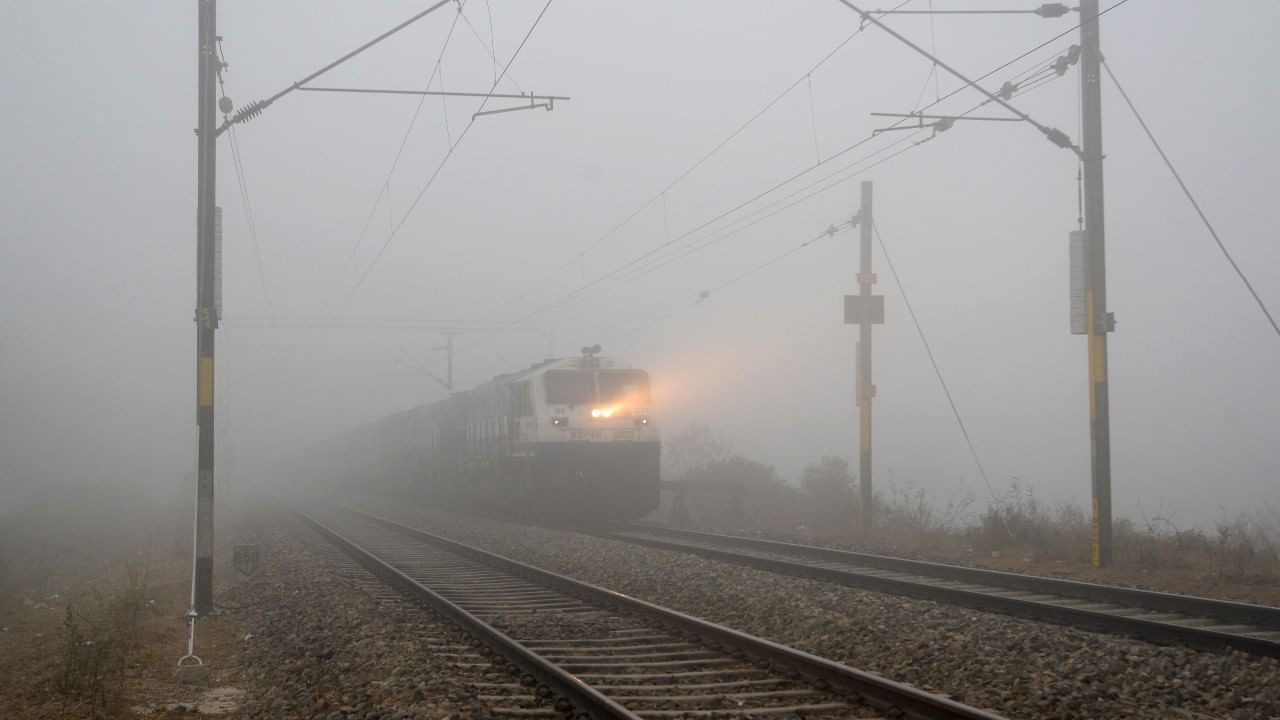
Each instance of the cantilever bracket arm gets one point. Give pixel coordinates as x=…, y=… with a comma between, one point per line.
x=941, y=123
x=546, y=102
x=256, y=107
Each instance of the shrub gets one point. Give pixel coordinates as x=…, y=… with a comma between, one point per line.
x=829, y=490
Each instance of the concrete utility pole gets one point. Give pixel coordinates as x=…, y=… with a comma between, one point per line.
x=206, y=311
x=865, y=310
x=1099, y=322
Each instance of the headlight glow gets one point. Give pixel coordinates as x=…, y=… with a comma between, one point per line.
x=595, y=413
x=607, y=412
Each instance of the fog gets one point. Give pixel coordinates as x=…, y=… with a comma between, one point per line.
x=97, y=261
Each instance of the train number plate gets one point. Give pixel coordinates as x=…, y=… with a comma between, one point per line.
x=601, y=435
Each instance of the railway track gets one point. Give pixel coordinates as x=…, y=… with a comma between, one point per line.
x=1165, y=618
x=575, y=649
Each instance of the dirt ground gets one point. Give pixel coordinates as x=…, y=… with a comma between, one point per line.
x=97, y=633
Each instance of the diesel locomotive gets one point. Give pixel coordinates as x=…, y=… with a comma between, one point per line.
x=571, y=437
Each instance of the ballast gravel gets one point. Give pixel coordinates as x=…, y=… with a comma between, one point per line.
x=1014, y=667
x=326, y=641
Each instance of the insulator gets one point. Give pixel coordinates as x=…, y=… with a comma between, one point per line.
x=1057, y=137
x=1051, y=10
x=248, y=112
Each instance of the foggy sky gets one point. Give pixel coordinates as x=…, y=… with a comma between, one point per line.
x=97, y=248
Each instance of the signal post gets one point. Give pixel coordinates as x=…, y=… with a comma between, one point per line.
x=865, y=310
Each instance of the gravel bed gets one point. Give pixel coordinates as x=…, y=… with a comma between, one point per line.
x=325, y=640
x=1019, y=668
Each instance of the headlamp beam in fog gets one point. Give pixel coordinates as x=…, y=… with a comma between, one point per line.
x=601, y=412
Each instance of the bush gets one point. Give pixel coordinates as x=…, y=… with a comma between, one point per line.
x=830, y=494
x=737, y=493
x=907, y=516
x=1018, y=521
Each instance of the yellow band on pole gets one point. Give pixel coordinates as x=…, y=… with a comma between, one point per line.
x=206, y=381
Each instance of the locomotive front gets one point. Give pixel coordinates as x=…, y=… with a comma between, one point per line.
x=591, y=437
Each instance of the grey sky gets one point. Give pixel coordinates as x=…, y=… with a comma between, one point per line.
x=97, y=249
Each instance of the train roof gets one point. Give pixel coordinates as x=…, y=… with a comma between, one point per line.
x=573, y=363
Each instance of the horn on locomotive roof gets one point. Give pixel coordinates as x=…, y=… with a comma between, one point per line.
x=590, y=350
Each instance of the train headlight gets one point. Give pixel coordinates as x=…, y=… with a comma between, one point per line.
x=642, y=421
x=596, y=413
x=560, y=422
x=607, y=412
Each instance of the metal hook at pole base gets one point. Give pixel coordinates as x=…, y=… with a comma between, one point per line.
x=191, y=669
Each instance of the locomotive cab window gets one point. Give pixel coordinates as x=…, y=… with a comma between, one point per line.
x=570, y=387
x=630, y=386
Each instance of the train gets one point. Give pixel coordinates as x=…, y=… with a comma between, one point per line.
x=566, y=437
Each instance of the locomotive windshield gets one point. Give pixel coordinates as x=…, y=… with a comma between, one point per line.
x=574, y=387
x=570, y=387
x=630, y=386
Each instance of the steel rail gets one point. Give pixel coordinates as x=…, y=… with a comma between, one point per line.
x=878, y=692
x=583, y=696
x=859, y=571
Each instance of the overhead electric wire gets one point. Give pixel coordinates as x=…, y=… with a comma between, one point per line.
x=727, y=232
x=706, y=294
x=555, y=304
x=933, y=361
x=698, y=163
x=601, y=279
x=1057, y=137
x=608, y=275
x=706, y=242
x=253, y=109
x=586, y=292
x=489, y=47
x=436, y=173
x=250, y=221
x=243, y=184
x=395, y=162
x=1191, y=198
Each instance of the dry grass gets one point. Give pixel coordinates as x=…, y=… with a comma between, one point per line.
x=742, y=495
x=89, y=562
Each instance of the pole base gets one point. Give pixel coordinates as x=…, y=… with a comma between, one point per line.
x=197, y=675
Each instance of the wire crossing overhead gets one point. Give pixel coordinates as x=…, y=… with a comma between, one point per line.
x=1054, y=135
x=604, y=282
x=436, y=173
x=645, y=320
x=255, y=108
x=384, y=189
x=661, y=194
